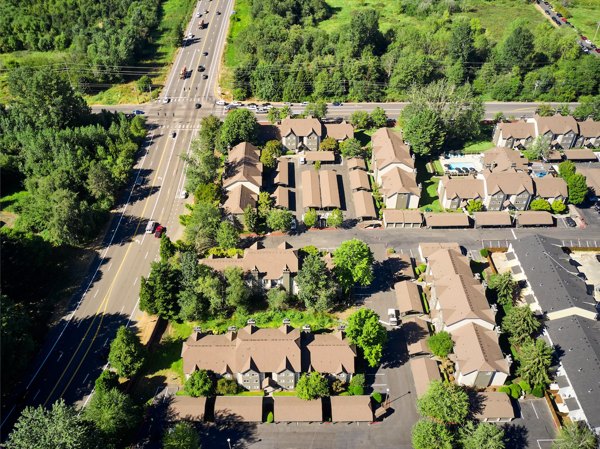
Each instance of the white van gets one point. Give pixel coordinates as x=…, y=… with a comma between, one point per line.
x=221, y=103
x=150, y=227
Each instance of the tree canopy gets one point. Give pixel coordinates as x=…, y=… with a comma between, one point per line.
x=440, y=344
x=182, y=435
x=353, y=262
x=575, y=435
x=316, y=289
x=113, y=413
x=427, y=434
x=444, y=402
x=126, y=354
x=481, y=436
x=535, y=358
x=365, y=330
x=239, y=126
x=312, y=386
x=200, y=383
x=520, y=324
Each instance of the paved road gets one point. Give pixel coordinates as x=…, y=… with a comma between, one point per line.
x=75, y=350
x=516, y=109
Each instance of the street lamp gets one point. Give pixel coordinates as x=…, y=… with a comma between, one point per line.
x=387, y=397
x=229, y=442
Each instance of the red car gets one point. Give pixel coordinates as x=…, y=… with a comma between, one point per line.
x=564, y=19
x=160, y=230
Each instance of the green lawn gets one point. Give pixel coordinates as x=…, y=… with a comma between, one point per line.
x=284, y=393
x=429, y=196
x=478, y=147
x=9, y=202
x=233, y=55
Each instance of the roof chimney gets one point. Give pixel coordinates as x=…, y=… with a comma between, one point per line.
x=251, y=321
x=306, y=328
x=286, y=321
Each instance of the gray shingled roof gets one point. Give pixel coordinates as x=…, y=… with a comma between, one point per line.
x=578, y=341
x=554, y=281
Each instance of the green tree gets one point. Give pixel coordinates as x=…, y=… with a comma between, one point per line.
x=107, y=380
x=558, y=207
x=113, y=413
x=228, y=236
x=16, y=337
x=227, y=386
x=577, y=189
x=357, y=385
x=328, y=144
x=202, y=165
x=423, y=129
x=167, y=248
x=588, y=107
x=378, y=118
x=539, y=149
x=144, y=84
x=520, y=323
x=360, y=119
x=312, y=386
x=535, y=358
x=353, y=262
x=310, y=218
x=58, y=427
x=505, y=287
x=575, y=435
x=518, y=48
x=45, y=99
x=277, y=299
x=158, y=293
x=210, y=132
x=444, y=402
x=481, y=436
x=280, y=220
x=250, y=218
x=440, y=344
x=126, y=354
x=201, y=226
x=200, y=383
x=237, y=293
x=540, y=204
x=427, y=434
x=271, y=151
x=239, y=126
x=566, y=170
x=365, y=330
x=181, y=436
x=335, y=218
x=265, y=204
x=474, y=206
x=316, y=289
x=351, y=148
x=317, y=109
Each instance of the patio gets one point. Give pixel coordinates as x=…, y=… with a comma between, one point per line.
x=459, y=164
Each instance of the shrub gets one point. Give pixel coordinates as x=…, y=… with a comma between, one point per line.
x=540, y=204
x=515, y=391
x=504, y=389
x=270, y=418
x=377, y=397
x=484, y=252
x=227, y=386
x=337, y=386
x=538, y=391
x=199, y=384
x=358, y=380
x=356, y=390
x=525, y=386
x=558, y=207
x=421, y=268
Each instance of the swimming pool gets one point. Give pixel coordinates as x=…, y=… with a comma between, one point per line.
x=456, y=165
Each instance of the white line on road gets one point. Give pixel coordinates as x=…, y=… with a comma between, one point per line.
x=379, y=385
x=109, y=267
x=105, y=341
x=86, y=377
x=122, y=308
x=135, y=281
x=146, y=256
x=513, y=233
x=96, y=294
x=36, y=395
x=133, y=311
x=59, y=356
x=535, y=411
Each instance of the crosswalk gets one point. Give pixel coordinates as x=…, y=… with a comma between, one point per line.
x=182, y=99
x=180, y=126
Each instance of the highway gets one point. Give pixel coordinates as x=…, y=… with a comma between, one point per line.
x=75, y=350
x=515, y=109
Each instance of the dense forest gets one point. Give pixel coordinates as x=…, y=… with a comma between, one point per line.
x=67, y=166
x=101, y=36
x=286, y=57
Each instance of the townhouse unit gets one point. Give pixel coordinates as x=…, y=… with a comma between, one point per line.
x=561, y=132
x=259, y=357
x=459, y=306
x=242, y=178
x=556, y=290
x=500, y=190
x=264, y=267
x=298, y=134
x=393, y=168
x=503, y=159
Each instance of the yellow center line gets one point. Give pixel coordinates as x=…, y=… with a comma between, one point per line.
x=104, y=304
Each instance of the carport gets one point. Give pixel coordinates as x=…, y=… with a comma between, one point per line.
x=239, y=408
x=492, y=219
x=293, y=409
x=447, y=220
x=351, y=409
x=495, y=407
x=424, y=371
x=408, y=298
x=535, y=218
x=399, y=218
x=188, y=408
x=364, y=205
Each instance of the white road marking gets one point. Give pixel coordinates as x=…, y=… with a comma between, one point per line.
x=36, y=395
x=59, y=356
x=105, y=341
x=536, y=413
x=133, y=311
x=135, y=281
x=86, y=377
x=109, y=267
x=146, y=256
x=513, y=233
x=122, y=308
x=96, y=294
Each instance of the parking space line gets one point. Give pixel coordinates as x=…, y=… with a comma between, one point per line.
x=535, y=411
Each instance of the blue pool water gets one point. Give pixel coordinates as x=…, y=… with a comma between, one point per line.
x=540, y=174
x=460, y=165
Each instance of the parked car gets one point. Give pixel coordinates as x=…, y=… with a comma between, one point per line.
x=392, y=317
x=337, y=103
x=160, y=230
x=294, y=224
x=138, y=112
x=546, y=11
x=201, y=68
x=166, y=100
x=221, y=103
x=570, y=222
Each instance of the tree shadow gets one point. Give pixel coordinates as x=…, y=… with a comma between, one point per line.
x=228, y=426
x=395, y=353
x=413, y=333
x=515, y=436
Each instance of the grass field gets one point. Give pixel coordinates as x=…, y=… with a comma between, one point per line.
x=478, y=147
x=494, y=16
x=429, y=196
x=233, y=54
x=585, y=17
